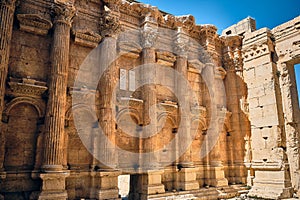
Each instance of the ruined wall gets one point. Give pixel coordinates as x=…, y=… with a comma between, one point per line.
x=54, y=103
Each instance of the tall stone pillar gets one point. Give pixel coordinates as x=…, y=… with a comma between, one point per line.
x=149, y=180
x=7, y=9
x=106, y=178
x=150, y=115
x=53, y=177
x=186, y=179
x=269, y=156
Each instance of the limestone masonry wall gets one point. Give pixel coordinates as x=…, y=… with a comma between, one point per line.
x=94, y=89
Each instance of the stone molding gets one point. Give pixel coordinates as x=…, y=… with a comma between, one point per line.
x=34, y=23
x=26, y=87
x=165, y=58
x=86, y=38
x=37, y=103
x=129, y=49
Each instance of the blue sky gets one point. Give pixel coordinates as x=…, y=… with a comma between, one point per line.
x=222, y=14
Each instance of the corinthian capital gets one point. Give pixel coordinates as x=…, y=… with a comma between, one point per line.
x=109, y=23
x=7, y=2
x=181, y=43
x=64, y=12
x=149, y=32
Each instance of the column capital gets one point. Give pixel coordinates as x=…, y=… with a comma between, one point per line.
x=7, y=2
x=64, y=12
x=181, y=43
x=149, y=35
x=110, y=23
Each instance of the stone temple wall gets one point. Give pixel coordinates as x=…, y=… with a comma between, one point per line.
x=92, y=90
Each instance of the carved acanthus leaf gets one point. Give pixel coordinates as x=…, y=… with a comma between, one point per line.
x=109, y=23
x=64, y=12
x=149, y=35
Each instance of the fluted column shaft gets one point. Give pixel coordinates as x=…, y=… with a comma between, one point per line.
x=149, y=96
x=186, y=158
x=55, y=115
x=7, y=9
x=107, y=122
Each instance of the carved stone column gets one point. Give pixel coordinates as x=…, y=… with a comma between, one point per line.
x=7, y=9
x=55, y=114
x=186, y=177
x=149, y=181
x=149, y=36
x=106, y=178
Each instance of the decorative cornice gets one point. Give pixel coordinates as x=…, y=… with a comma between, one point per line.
x=86, y=38
x=34, y=23
x=26, y=87
x=168, y=106
x=165, y=58
x=131, y=102
x=186, y=22
x=196, y=66
x=63, y=13
x=129, y=49
x=110, y=23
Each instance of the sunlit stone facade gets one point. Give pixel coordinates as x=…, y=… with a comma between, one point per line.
x=238, y=132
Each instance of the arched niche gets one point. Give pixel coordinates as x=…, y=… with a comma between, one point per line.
x=128, y=128
x=21, y=116
x=78, y=154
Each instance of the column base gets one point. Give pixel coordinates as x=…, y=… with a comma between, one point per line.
x=218, y=175
x=106, y=185
x=187, y=179
x=53, y=186
x=271, y=182
x=148, y=183
x=152, y=182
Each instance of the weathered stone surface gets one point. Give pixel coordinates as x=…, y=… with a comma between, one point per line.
x=45, y=154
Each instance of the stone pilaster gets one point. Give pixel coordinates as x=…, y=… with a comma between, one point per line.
x=269, y=157
x=7, y=9
x=149, y=37
x=232, y=60
x=186, y=177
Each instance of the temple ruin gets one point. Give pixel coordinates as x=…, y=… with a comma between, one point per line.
x=92, y=90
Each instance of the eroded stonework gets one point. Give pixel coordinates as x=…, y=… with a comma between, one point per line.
x=251, y=86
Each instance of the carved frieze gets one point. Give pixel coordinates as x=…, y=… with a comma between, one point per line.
x=195, y=66
x=34, y=23
x=86, y=38
x=129, y=49
x=26, y=87
x=165, y=58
